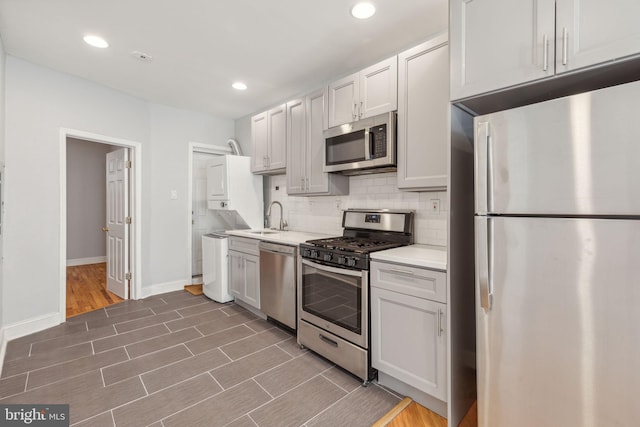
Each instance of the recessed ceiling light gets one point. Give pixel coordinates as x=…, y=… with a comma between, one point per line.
x=239, y=86
x=96, y=41
x=363, y=10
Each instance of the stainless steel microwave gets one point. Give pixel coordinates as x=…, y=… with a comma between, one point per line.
x=364, y=146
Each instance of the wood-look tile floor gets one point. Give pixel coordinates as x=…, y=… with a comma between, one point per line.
x=182, y=360
x=87, y=289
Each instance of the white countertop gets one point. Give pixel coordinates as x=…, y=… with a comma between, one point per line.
x=285, y=237
x=426, y=256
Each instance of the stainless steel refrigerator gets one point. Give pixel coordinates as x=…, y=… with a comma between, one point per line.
x=557, y=235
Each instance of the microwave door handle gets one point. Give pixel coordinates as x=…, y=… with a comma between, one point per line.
x=368, y=138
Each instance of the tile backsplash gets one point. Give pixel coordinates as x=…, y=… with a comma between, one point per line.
x=323, y=214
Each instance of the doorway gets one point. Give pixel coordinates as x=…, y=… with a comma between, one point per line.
x=87, y=228
x=202, y=220
x=86, y=258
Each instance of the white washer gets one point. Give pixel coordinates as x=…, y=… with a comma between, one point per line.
x=215, y=269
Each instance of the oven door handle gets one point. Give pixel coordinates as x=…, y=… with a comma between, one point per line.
x=342, y=271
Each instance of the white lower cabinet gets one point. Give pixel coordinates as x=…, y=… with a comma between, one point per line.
x=408, y=332
x=244, y=270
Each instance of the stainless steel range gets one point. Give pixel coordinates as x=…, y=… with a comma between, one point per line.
x=333, y=281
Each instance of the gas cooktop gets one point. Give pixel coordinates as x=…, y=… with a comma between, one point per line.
x=365, y=231
x=355, y=244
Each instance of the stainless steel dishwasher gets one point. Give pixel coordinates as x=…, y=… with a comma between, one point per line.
x=278, y=282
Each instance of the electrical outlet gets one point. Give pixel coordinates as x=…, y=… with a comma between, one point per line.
x=435, y=206
x=173, y=195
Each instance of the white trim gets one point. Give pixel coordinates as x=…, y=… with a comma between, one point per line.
x=163, y=288
x=196, y=147
x=136, y=208
x=86, y=261
x=3, y=348
x=29, y=326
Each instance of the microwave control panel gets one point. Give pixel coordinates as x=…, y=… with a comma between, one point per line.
x=379, y=140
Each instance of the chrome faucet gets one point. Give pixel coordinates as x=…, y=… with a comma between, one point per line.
x=283, y=223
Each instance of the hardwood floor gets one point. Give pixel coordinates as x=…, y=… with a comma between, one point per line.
x=408, y=413
x=87, y=289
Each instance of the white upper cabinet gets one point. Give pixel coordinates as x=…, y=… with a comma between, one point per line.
x=594, y=31
x=423, y=115
x=296, y=148
x=217, y=188
x=344, y=96
x=259, y=139
x=497, y=44
x=269, y=138
x=306, y=121
x=370, y=92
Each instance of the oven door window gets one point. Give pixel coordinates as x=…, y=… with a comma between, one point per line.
x=336, y=298
x=346, y=148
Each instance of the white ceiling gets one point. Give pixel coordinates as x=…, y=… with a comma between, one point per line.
x=279, y=48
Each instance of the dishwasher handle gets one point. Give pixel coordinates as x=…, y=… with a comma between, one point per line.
x=278, y=249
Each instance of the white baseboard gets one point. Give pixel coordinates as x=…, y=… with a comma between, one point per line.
x=29, y=326
x=163, y=288
x=85, y=261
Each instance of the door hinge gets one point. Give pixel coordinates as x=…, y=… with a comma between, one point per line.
x=127, y=164
x=127, y=220
x=127, y=276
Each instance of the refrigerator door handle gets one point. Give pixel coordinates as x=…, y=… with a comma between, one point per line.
x=483, y=261
x=482, y=167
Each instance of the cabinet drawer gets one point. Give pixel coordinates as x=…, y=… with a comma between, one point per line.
x=244, y=244
x=414, y=281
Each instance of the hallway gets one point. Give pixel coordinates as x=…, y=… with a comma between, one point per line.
x=87, y=289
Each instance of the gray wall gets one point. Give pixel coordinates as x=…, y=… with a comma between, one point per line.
x=86, y=199
x=39, y=102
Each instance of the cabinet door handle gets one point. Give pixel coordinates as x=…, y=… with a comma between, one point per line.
x=565, y=45
x=398, y=271
x=545, y=53
x=440, y=328
x=307, y=181
x=353, y=111
x=361, y=111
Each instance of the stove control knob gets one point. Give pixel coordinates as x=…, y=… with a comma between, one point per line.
x=327, y=257
x=342, y=260
x=351, y=262
x=306, y=252
x=314, y=253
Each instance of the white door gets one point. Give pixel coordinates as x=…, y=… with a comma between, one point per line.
x=202, y=220
x=117, y=230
